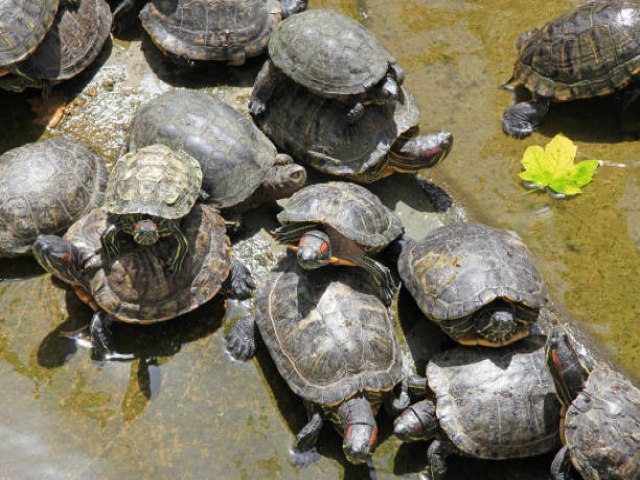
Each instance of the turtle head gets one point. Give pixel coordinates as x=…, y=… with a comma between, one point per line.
x=422, y=151
x=287, y=178
x=145, y=232
x=59, y=257
x=314, y=250
x=569, y=369
x=360, y=431
x=290, y=7
x=418, y=422
x=497, y=322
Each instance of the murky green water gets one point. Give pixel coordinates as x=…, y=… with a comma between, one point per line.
x=182, y=409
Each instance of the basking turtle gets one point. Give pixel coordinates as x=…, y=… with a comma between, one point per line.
x=222, y=30
x=44, y=188
x=340, y=223
x=589, y=51
x=382, y=142
x=332, y=56
x=488, y=403
x=241, y=167
x=479, y=283
x=149, y=192
x=600, y=428
x=334, y=343
x=134, y=287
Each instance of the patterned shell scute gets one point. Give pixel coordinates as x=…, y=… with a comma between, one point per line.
x=357, y=148
x=328, y=333
x=591, y=50
x=73, y=42
x=210, y=29
x=350, y=209
x=328, y=53
x=137, y=287
x=457, y=269
x=235, y=156
x=497, y=403
x=156, y=181
x=23, y=25
x=603, y=428
x=44, y=188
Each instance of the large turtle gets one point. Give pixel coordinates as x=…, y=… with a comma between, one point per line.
x=134, y=286
x=488, y=403
x=382, y=142
x=479, y=283
x=332, y=56
x=223, y=30
x=340, y=223
x=600, y=427
x=589, y=51
x=149, y=191
x=333, y=341
x=44, y=188
x=241, y=167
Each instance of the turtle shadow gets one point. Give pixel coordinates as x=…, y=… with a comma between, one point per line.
x=14, y=269
x=19, y=121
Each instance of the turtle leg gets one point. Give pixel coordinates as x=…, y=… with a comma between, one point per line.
x=304, y=451
x=237, y=58
x=561, y=465
x=355, y=113
x=108, y=241
x=101, y=336
x=180, y=253
x=521, y=119
x=382, y=276
x=241, y=338
x=437, y=454
x=239, y=284
x=292, y=232
x=394, y=403
x=322, y=158
x=268, y=77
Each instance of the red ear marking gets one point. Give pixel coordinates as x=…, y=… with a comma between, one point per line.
x=348, y=434
x=324, y=247
x=137, y=226
x=556, y=362
x=374, y=437
x=301, y=241
x=430, y=152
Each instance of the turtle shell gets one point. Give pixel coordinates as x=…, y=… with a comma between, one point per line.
x=496, y=403
x=591, y=50
x=602, y=428
x=44, y=188
x=23, y=25
x=136, y=287
x=155, y=181
x=350, y=209
x=356, y=148
x=459, y=268
x=235, y=156
x=72, y=43
x=328, y=333
x=329, y=53
x=210, y=29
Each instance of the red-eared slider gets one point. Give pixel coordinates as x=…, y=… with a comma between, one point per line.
x=600, y=428
x=340, y=223
x=241, y=167
x=479, y=283
x=148, y=193
x=488, y=403
x=134, y=286
x=334, y=343
x=44, y=188
x=73, y=42
x=331, y=55
x=382, y=142
x=589, y=51
x=223, y=30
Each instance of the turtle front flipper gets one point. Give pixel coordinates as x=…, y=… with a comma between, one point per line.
x=437, y=454
x=241, y=338
x=239, y=284
x=381, y=276
x=521, y=119
x=180, y=253
x=561, y=465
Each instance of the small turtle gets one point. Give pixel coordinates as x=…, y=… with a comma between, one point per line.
x=44, y=188
x=241, y=167
x=589, y=51
x=340, y=223
x=334, y=343
x=332, y=56
x=222, y=30
x=600, y=425
x=488, y=403
x=382, y=142
x=134, y=287
x=479, y=283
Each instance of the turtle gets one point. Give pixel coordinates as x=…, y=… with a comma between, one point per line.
x=590, y=51
x=479, y=283
x=332, y=56
x=44, y=188
x=487, y=403
x=222, y=30
x=241, y=167
x=333, y=341
x=600, y=423
x=134, y=286
x=149, y=191
x=385, y=139
x=340, y=223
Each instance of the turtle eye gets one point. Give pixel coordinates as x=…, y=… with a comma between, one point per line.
x=65, y=257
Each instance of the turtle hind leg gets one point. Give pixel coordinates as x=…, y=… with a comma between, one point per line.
x=521, y=119
x=561, y=465
x=382, y=277
x=241, y=338
x=239, y=284
x=437, y=454
x=101, y=336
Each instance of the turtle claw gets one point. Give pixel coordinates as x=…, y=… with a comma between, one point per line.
x=240, y=282
x=521, y=119
x=256, y=107
x=241, y=339
x=304, y=458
